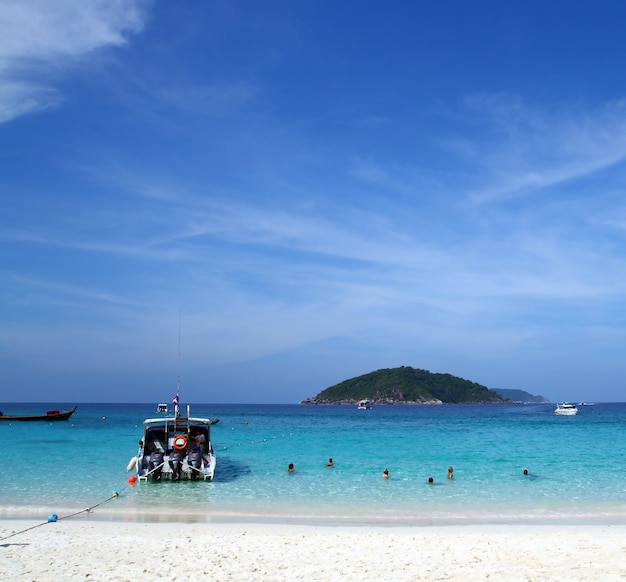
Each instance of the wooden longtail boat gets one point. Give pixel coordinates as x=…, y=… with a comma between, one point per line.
x=50, y=415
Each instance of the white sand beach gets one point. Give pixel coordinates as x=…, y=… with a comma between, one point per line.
x=91, y=550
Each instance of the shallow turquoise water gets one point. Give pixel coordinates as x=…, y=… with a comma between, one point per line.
x=577, y=463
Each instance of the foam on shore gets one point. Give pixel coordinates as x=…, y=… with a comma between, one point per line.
x=122, y=509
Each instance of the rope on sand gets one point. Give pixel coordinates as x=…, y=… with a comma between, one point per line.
x=52, y=518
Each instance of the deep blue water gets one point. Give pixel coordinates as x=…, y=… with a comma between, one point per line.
x=576, y=464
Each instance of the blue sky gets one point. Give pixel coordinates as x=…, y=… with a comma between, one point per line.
x=321, y=189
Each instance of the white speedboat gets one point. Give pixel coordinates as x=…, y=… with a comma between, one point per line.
x=364, y=404
x=566, y=409
x=175, y=448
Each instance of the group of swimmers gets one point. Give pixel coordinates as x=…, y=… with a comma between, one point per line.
x=291, y=469
x=430, y=480
x=385, y=475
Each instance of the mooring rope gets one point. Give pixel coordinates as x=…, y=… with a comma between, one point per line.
x=223, y=447
x=52, y=518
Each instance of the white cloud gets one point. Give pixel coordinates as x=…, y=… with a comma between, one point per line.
x=21, y=98
x=38, y=37
x=526, y=151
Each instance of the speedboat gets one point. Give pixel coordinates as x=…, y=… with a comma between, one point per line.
x=565, y=409
x=175, y=448
x=364, y=404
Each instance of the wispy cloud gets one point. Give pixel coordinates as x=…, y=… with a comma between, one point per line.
x=523, y=150
x=65, y=291
x=40, y=38
x=21, y=98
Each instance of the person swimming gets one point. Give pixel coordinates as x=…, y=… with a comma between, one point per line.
x=450, y=471
x=290, y=468
x=430, y=480
x=330, y=463
x=385, y=473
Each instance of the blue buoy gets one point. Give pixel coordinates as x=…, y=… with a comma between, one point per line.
x=52, y=518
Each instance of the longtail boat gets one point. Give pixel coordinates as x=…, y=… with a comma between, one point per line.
x=48, y=416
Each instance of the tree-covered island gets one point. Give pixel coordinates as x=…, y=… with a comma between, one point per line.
x=406, y=385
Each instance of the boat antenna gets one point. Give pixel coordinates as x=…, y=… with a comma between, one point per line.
x=178, y=370
x=176, y=413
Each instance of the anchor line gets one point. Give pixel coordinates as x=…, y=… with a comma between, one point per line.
x=86, y=510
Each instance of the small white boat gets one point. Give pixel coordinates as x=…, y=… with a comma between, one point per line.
x=364, y=404
x=566, y=409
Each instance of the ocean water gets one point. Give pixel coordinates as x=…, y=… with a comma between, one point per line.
x=577, y=465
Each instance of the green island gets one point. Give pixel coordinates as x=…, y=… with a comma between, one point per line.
x=406, y=385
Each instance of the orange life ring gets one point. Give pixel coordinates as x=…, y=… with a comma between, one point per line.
x=180, y=442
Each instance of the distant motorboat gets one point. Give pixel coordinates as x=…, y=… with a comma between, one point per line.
x=566, y=409
x=586, y=404
x=364, y=404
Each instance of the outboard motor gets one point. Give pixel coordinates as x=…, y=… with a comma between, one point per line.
x=155, y=465
x=176, y=463
x=195, y=462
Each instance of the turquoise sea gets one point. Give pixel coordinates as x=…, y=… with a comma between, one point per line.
x=577, y=465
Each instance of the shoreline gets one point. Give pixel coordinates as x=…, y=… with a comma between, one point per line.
x=603, y=515
x=131, y=550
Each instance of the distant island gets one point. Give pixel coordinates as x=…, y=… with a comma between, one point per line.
x=406, y=385
x=520, y=396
